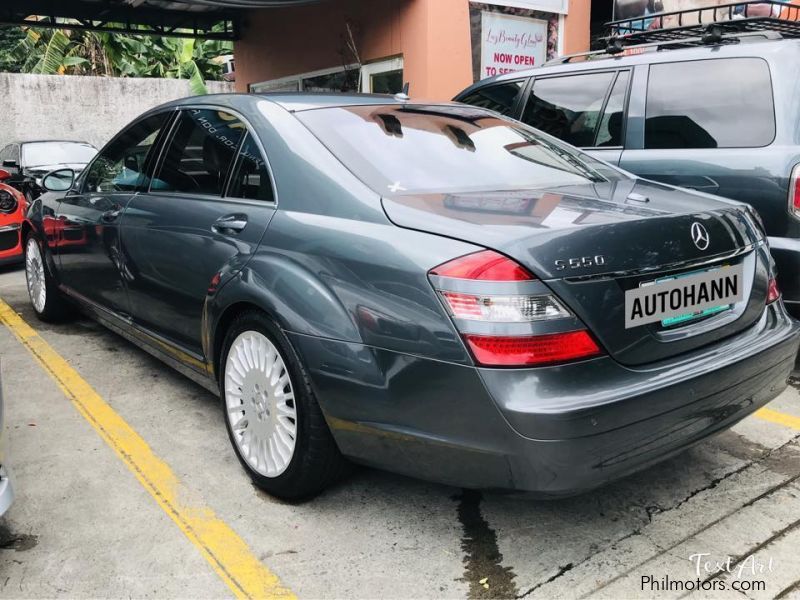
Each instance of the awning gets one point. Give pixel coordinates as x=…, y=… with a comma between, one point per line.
x=209, y=19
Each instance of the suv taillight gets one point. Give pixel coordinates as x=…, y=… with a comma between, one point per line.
x=794, y=192
x=497, y=305
x=773, y=291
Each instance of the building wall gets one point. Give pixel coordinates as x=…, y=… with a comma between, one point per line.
x=280, y=42
x=577, y=27
x=90, y=109
x=432, y=35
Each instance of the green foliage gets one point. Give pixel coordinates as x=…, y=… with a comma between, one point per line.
x=110, y=54
x=9, y=38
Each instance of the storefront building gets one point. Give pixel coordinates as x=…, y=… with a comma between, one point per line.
x=437, y=46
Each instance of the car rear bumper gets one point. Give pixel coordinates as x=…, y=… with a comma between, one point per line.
x=786, y=252
x=553, y=431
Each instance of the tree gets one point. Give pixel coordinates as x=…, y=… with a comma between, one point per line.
x=110, y=54
x=9, y=38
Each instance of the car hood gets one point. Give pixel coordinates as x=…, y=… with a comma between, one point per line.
x=41, y=170
x=633, y=224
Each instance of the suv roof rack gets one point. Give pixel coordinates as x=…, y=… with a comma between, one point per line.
x=712, y=25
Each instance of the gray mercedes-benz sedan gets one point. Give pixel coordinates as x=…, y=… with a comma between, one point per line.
x=427, y=288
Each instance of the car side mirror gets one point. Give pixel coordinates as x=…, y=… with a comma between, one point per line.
x=59, y=181
x=4, y=175
x=11, y=164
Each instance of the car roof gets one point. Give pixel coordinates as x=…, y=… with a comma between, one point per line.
x=26, y=142
x=300, y=101
x=763, y=49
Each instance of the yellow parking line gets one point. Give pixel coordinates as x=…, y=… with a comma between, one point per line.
x=773, y=416
x=227, y=553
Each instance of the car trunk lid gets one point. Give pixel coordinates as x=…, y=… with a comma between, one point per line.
x=590, y=244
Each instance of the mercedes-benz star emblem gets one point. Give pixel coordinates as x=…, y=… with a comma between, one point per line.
x=700, y=236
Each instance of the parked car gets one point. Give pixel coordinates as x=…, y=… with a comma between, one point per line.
x=12, y=215
x=29, y=161
x=720, y=118
x=427, y=288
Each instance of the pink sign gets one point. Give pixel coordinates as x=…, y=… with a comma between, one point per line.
x=511, y=43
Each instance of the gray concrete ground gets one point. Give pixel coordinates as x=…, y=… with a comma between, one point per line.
x=82, y=525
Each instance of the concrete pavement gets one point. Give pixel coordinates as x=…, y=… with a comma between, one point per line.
x=83, y=525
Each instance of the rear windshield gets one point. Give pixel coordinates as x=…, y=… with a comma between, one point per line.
x=38, y=154
x=427, y=149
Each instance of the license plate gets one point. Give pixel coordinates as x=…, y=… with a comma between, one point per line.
x=675, y=300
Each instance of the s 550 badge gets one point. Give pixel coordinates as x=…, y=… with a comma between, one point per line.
x=584, y=262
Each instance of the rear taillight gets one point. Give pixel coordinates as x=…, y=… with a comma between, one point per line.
x=773, y=291
x=794, y=192
x=504, y=309
x=483, y=266
x=532, y=350
x=506, y=316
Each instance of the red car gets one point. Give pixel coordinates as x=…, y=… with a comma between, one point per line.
x=12, y=213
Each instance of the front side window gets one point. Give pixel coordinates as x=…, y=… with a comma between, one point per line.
x=445, y=149
x=250, y=178
x=499, y=98
x=121, y=166
x=718, y=103
x=201, y=152
x=569, y=107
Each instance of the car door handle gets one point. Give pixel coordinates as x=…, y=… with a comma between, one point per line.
x=230, y=223
x=111, y=215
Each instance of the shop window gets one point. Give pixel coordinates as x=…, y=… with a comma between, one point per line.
x=735, y=90
x=569, y=107
x=383, y=77
x=500, y=98
x=339, y=79
x=380, y=77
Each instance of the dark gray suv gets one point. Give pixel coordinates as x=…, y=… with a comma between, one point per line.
x=720, y=118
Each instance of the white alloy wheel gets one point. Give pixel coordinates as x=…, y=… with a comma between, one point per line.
x=260, y=404
x=34, y=273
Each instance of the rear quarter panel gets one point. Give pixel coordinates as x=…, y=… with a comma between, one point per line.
x=331, y=265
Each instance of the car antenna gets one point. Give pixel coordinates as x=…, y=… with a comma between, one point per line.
x=403, y=94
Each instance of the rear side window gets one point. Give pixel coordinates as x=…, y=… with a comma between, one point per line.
x=201, y=152
x=721, y=103
x=569, y=108
x=250, y=176
x=500, y=98
x=612, y=124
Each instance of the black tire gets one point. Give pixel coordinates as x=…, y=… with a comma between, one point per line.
x=56, y=307
x=317, y=462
